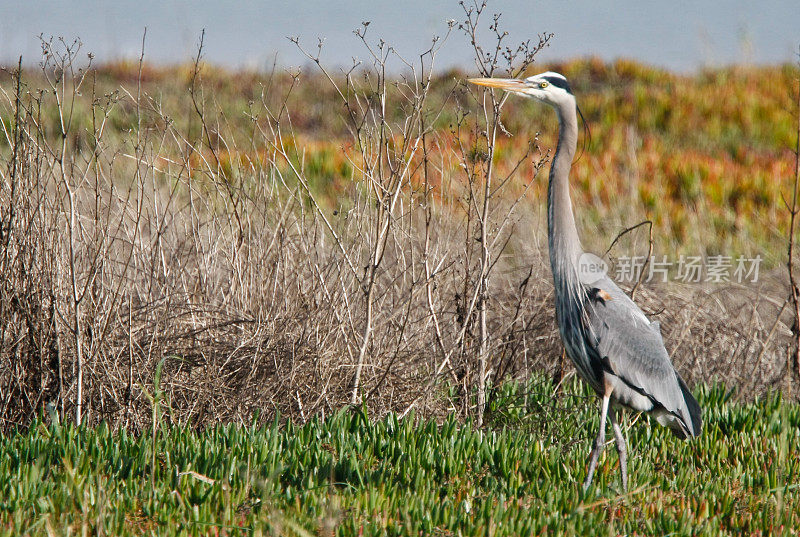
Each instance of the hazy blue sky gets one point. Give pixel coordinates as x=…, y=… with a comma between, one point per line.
x=681, y=35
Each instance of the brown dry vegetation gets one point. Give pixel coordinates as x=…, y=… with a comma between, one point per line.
x=266, y=237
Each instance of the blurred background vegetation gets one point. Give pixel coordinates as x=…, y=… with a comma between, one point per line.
x=707, y=157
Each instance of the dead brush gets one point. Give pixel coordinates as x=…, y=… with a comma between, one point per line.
x=131, y=234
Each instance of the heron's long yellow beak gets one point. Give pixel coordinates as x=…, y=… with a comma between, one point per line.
x=508, y=84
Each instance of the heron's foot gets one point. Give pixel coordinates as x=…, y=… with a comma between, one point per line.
x=619, y=439
x=624, y=474
x=593, y=458
x=623, y=467
x=599, y=442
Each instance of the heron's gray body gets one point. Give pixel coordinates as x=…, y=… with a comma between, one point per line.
x=610, y=340
x=614, y=346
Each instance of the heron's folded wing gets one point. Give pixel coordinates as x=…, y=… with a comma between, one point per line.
x=631, y=346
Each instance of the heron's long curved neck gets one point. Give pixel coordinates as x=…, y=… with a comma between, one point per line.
x=565, y=246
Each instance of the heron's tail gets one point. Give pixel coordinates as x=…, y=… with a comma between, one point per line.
x=683, y=428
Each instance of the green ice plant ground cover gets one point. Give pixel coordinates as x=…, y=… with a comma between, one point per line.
x=349, y=474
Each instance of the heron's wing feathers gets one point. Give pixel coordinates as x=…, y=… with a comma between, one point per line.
x=630, y=346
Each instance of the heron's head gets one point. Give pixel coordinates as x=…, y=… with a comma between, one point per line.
x=550, y=88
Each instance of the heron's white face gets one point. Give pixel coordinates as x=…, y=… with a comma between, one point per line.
x=550, y=88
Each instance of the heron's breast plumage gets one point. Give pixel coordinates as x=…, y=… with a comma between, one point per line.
x=572, y=326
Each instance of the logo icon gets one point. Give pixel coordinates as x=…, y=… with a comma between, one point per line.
x=591, y=268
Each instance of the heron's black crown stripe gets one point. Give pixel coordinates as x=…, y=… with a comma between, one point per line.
x=559, y=83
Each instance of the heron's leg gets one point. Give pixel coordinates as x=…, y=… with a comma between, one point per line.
x=621, y=449
x=599, y=442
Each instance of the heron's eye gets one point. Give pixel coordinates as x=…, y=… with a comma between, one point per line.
x=543, y=85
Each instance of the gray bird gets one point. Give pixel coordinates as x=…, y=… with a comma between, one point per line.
x=614, y=346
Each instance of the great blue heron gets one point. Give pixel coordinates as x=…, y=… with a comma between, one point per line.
x=614, y=346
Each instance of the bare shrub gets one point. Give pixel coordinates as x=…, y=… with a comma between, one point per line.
x=136, y=231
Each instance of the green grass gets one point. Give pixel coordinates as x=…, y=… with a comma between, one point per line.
x=349, y=475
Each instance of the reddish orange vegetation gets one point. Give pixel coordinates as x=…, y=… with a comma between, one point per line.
x=704, y=156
